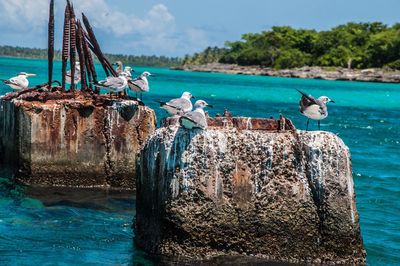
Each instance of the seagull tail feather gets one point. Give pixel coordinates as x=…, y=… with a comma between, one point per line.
x=302, y=93
x=309, y=97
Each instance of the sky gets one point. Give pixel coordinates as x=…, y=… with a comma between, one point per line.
x=179, y=27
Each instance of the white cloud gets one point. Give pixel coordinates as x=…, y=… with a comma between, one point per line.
x=152, y=32
x=198, y=37
x=23, y=15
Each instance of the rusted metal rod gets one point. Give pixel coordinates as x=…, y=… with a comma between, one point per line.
x=65, y=46
x=81, y=55
x=95, y=45
x=50, y=48
x=96, y=48
x=72, y=44
x=92, y=75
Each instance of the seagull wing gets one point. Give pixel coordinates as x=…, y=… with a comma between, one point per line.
x=114, y=82
x=16, y=81
x=11, y=81
x=323, y=110
x=195, y=119
x=138, y=85
x=180, y=104
x=306, y=101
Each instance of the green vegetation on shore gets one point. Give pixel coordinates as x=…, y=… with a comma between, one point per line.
x=160, y=61
x=353, y=45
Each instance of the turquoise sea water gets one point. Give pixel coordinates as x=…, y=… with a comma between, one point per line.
x=94, y=228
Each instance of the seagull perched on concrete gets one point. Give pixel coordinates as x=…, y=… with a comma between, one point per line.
x=140, y=84
x=114, y=84
x=128, y=74
x=77, y=74
x=178, y=106
x=196, y=118
x=119, y=66
x=312, y=108
x=128, y=71
x=19, y=82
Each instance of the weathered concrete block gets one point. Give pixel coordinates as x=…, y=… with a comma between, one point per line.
x=83, y=142
x=283, y=196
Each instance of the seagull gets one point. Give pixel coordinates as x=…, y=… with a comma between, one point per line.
x=140, y=84
x=77, y=74
x=119, y=68
x=20, y=81
x=128, y=72
x=178, y=106
x=114, y=84
x=315, y=109
x=196, y=118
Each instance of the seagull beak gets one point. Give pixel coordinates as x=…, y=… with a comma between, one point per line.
x=30, y=75
x=192, y=97
x=332, y=101
x=152, y=75
x=209, y=105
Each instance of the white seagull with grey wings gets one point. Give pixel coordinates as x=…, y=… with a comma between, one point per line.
x=19, y=82
x=140, y=84
x=178, y=106
x=119, y=66
x=315, y=109
x=114, y=84
x=197, y=118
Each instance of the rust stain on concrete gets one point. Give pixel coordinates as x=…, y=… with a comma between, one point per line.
x=81, y=140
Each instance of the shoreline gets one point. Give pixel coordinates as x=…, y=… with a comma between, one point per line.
x=306, y=72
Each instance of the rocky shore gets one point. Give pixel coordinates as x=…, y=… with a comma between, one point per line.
x=366, y=75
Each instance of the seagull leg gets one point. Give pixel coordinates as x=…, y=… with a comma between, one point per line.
x=308, y=121
x=319, y=124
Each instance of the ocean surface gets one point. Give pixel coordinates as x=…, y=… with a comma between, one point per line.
x=78, y=227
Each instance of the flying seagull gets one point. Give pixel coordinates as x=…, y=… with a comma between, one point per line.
x=178, y=106
x=77, y=74
x=312, y=108
x=140, y=84
x=196, y=118
x=19, y=82
x=114, y=84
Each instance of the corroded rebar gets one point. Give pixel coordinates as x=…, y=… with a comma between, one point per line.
x=92, y=75
x=50, y=48
x=81, y=55
x=65, y=46
x=72, y=44
x=96, y=48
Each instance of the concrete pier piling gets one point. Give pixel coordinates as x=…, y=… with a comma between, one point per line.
x=248, y=188
x=83, y=141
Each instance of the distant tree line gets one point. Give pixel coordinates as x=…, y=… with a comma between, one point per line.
x=353, y=45
x=142, y=60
